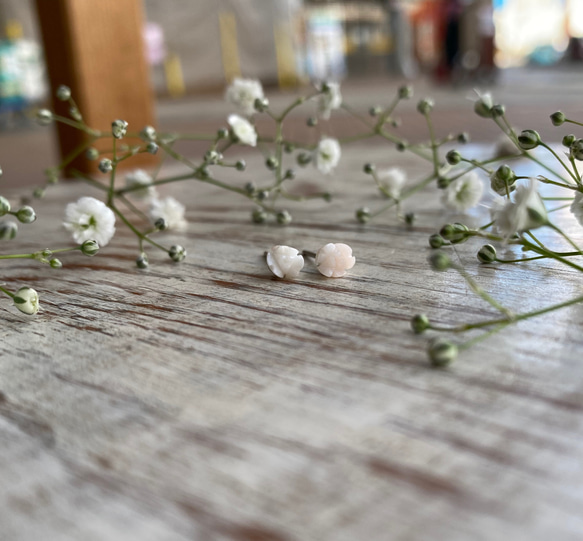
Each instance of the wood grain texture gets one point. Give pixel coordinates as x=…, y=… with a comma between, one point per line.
x=210, y=401
x=96, y=48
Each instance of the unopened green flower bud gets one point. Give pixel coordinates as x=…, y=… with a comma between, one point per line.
x=44, y=117
x=212, y=157
x=250, y=188
x=483, y=106
x=529, y=139
x=312, y=121
x=283, y=217
x=262, y=195
x=436, y=241
x=26, y=300
x=240, y=165
x=25, y=215
x=92, y=153
x=119, y=128
x=453, y=157
x=4, y=206
x=222, y=133
x=439, y=261
x=410, y=218
x=327, y=196
x=363, y=215
x=443, y=182
x=148, y=133
x=8, y=230
x=442, y=352
x=289, y=174
x=405, y=92
x=261, y=104
x=161, y=224
x=304, y=158
x=152, y=148
x=498, y=111
x=486, y=254
x=259, y=216
x=396, y=122
x=463, y=138
x=375, y=111
x=89, y=248
x=177, y=253
x=142, y=261
x=63, y=93
x=419, y=323
x=39, y=193
x=55, y=263
x=425, y=106
x=558, y=118
x=502, y=180
x=105, y=165
x=401, y=146
x=289, y=148
x=455, y=233
x=577, y=150
x=368, y=168
x=568, y=140
x=271, y=163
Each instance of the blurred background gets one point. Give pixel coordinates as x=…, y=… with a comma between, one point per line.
x=530, y=51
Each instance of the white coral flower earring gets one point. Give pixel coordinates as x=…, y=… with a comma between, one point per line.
x=284, y=261
x=333, y=259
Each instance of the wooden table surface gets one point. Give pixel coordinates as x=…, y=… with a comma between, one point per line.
x=210, y=401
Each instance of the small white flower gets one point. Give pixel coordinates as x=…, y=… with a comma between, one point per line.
x=26, y=300
x=284, y=261
x=392, y=180
x=242, y=93
x=170, y=210
x=90, y=219
x=243, y=130
x=333, y=260
x=141, y=180
x=577, y=207
x=327, y=155
x=463, y=193
x=329, y=100
x=527, y=211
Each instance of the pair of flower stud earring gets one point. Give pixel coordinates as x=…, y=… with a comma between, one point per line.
x=332, y=260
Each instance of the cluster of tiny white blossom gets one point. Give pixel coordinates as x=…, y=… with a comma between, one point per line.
x=515, y=204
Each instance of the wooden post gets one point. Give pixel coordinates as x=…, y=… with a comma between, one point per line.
x=96, y=48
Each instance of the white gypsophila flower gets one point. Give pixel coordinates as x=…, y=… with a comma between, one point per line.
x=329, y=100
x=577, y=207
x=171, y=211
x=90, y=219
x=496, y=205
x=327, y=155
x=242, y=93
x=392, y=180
x=26, y=300
x=463, y=193
x=526, y=212
x=333, y=260
x=243, y=130
x=284, y=261
x=141, y=184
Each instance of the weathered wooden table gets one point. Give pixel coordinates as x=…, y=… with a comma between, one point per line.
x=210, y=401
